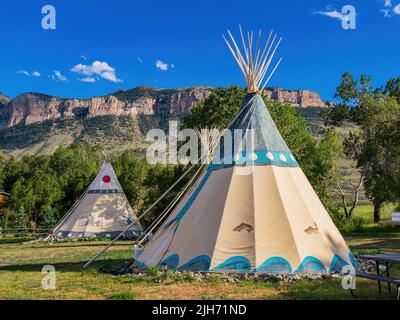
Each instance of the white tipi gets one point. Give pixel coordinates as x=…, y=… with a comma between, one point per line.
x=102, y=211
x=268, y=220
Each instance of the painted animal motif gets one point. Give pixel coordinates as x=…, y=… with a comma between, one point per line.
x=311, y=229
x=244, y=226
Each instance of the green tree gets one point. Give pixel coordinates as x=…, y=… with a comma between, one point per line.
x=49, y=217
x=337, y=115
x=351, y=91
x=55, y=182
x=159, y=179
x=21, y=218
x=392, y=88
x=132, y=173
x=217, y=111
x=22, y=195
x=377, y=147
x=317, y=159
x=75, y=168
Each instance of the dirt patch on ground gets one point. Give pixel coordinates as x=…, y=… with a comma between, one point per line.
x=375, y=243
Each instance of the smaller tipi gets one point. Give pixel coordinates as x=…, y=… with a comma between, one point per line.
x=102, y=211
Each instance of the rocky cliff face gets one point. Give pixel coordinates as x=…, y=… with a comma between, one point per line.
x=3, y=99
x=32, y=107
x=299, y=98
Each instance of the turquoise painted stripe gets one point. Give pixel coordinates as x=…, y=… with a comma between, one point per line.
x=200, y=263
x=172, y=261
x=237, y=263
x=277, y=265
x=257, y=158
x=310, y=265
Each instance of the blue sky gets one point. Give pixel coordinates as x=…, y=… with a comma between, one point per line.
x=127, y=38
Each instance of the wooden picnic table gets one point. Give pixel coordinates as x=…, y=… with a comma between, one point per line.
x=388, y=260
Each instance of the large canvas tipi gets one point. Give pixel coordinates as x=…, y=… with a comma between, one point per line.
x=257, y=214
x=102, y=211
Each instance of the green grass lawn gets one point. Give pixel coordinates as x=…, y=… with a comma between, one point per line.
x=366, y=213
x=21, y=265
x=363, y=223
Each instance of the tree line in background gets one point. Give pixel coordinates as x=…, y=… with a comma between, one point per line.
x=43, y=188
x=375, y=144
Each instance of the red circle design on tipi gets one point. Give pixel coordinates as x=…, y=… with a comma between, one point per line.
x=107, y=179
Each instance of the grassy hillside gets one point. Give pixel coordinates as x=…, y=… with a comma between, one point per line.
x=114, y=133
x=347, y=167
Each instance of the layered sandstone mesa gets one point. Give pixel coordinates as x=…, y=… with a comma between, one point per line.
x=30, y=108
x=3, y=99
x=33, y=107
x=299, y=98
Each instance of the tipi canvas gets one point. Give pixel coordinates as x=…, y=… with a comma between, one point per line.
x=258, y=213
x=102, y=211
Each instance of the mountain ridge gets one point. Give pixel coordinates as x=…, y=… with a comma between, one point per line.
x=29, y=108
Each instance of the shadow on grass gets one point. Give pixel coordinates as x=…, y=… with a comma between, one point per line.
x=80, y=245
x=14, y=240
x=107, y=266
x=375, y=230
x=380, y=244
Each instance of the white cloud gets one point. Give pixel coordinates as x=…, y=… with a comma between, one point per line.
x=333, y=14
x=386, y=13
x=161, y=65
x=57, y=75
x=35, y=74
x=390, y=11
x=96, y=69
x=139, y=59
x=88, y=79
x=26, y=73
x=110, y=76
